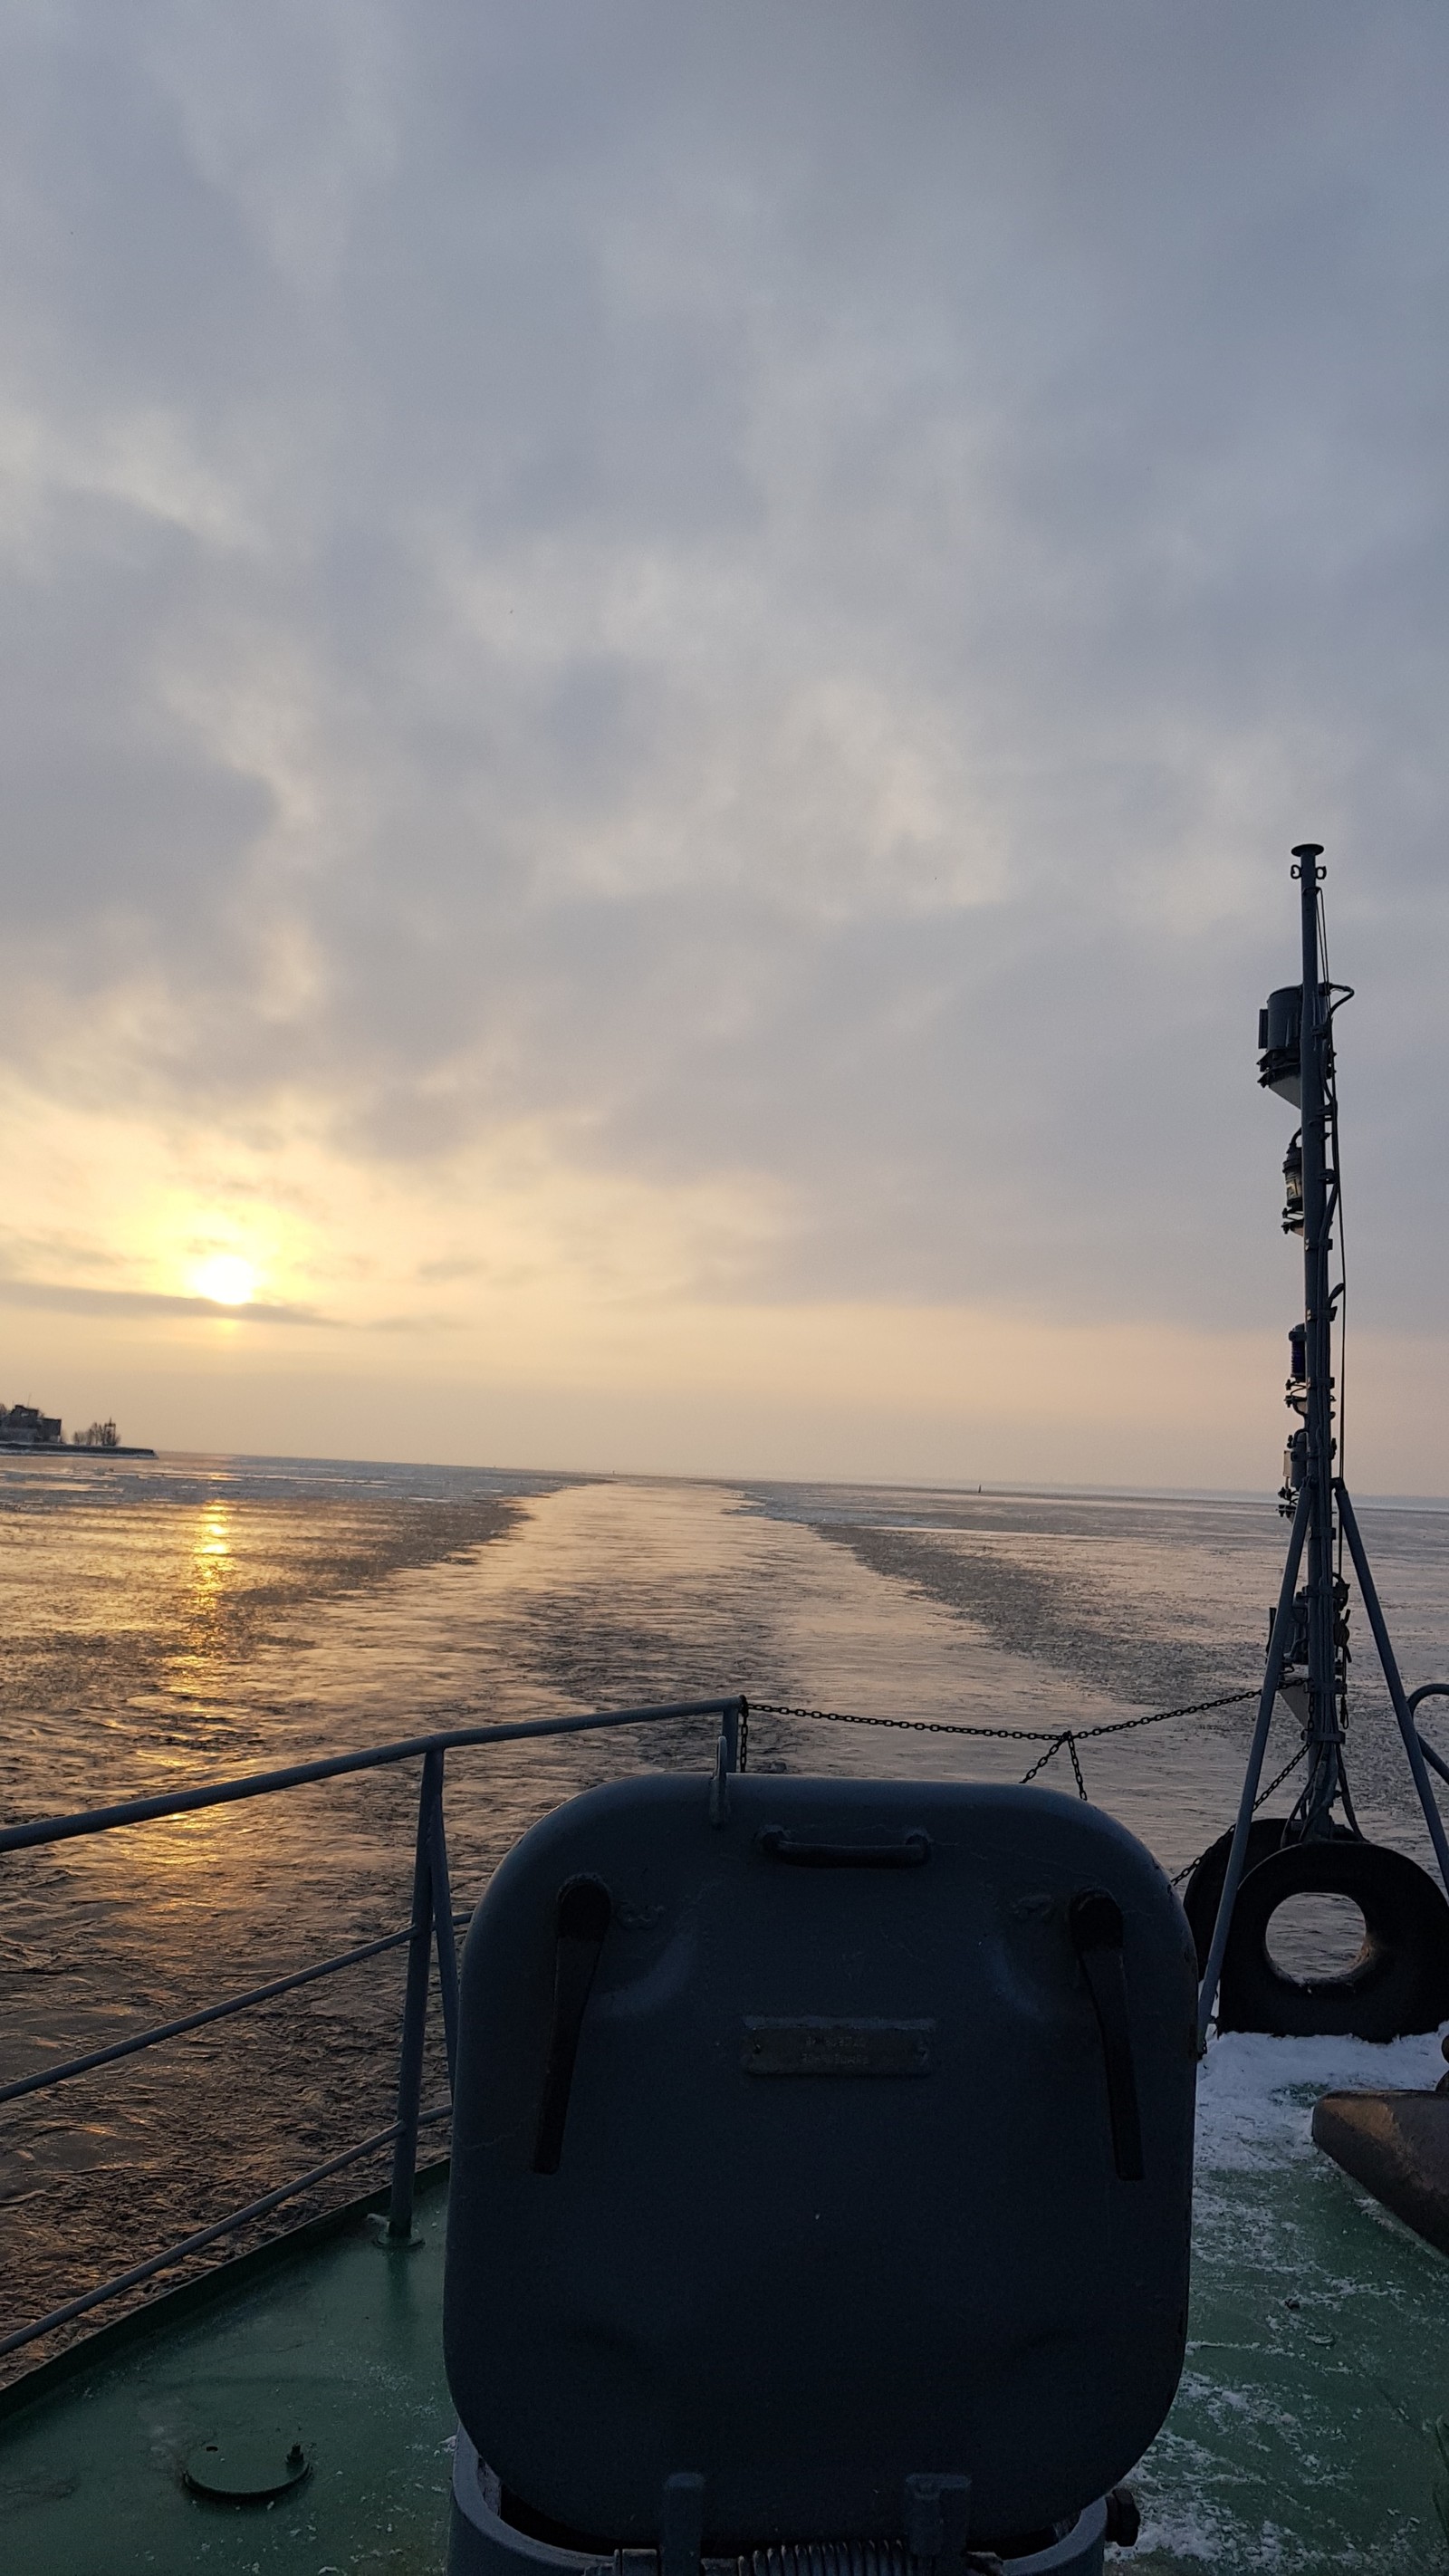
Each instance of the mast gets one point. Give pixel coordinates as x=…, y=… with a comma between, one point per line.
x=1308, y=1638
x=1320, y=1197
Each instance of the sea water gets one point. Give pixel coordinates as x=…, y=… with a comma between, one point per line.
x=186, y=1620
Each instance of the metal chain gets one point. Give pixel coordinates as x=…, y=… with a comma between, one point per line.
x=1263, y=1794
x=1052, y=1735
x=1053, y=1749
x=1043, y=1759
x=1067, y=1737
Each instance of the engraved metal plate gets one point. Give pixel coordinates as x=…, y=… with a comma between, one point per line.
x=815, y=2045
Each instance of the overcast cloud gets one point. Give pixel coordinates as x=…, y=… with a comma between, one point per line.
x=758, y=591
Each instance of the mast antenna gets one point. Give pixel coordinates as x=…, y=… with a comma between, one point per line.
x=1307, y=1662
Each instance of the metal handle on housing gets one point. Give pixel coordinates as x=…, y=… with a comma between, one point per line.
x=585, y=1911
x=1096, y=1927
x=776, y=1844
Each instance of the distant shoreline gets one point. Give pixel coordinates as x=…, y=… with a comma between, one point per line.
x=67, y=1449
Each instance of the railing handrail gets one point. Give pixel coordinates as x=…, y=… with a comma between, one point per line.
x=64, y=2068
x=433, y=1922
x=257, y=1784
x=1429, y=1690
x=202, y=2237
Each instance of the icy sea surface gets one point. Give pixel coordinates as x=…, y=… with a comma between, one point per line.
x=191, y=1619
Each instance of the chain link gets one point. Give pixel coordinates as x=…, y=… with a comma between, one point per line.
x=1053, y=1749
x=1056, y=1739
x=1263, y=1795
x=1053, y=1735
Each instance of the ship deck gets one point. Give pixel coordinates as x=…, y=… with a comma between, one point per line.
x=1310, y=2430
x=336, y=2343
x=1301, y=2437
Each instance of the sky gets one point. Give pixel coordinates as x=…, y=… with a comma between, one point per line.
x=659, y=668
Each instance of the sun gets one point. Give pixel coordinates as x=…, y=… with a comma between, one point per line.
x=226, y=1279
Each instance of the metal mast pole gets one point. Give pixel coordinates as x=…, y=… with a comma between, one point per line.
x=1320, y=1192
x=1310, y=1627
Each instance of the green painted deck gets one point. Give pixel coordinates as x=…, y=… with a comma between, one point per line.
x=1301, y=2440
x=342, y=2350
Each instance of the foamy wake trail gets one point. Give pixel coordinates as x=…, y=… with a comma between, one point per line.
x=1255, y=2095
x=1299, y=2441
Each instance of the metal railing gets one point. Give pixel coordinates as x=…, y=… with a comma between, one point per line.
x=432, y=1926
x=1428, y=1690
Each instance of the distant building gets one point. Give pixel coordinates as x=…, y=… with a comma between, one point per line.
x=28, y=1427
x=24, y=1426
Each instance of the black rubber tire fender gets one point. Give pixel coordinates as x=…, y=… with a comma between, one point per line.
x=1203, y=1892
x=1205, y=1887
x=1398, y=1984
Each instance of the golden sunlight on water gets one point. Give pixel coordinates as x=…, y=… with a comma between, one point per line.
x=213, y=1542
x=196, y=1665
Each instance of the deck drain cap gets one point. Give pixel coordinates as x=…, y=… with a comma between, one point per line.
x=247, y=2468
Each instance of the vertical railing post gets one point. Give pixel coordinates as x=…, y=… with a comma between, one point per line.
x=443, y=1927
x=415, y=2011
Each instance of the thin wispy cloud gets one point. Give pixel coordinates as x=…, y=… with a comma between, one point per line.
x=49, y=1296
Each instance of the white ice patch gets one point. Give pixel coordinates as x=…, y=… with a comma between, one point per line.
x=1255, y=2095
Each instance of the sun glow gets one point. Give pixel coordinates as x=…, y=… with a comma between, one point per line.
x=225, y=1278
